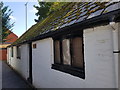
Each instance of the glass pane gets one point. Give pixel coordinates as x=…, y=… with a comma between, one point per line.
x=66, y=52
x=12, y=52
x=77, y=55
x=18, y=51
x=57, y=51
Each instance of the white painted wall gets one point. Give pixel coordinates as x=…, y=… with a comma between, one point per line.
x=99, y=62
x=21, y=65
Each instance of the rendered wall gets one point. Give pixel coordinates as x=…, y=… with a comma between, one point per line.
x=99, y=57
x=99, y=62
x=21, y=65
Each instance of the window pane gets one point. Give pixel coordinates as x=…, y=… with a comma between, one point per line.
x=66, y=52
x=57, y=51
x=18, y=52
x=77, y=55
x=12, y=52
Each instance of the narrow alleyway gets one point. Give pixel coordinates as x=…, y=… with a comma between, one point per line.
x=10, y=79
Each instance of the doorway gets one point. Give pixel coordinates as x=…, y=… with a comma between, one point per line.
x=30, y=63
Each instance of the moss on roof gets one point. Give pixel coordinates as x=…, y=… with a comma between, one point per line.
x=73, y=12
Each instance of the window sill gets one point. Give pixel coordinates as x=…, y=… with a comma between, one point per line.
x=71, y=70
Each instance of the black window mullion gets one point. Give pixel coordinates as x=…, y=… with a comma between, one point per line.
x=83, y=53
x=71, y=50
x=54, y=51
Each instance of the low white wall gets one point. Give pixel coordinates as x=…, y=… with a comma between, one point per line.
x=21, y=65
x=98, y=57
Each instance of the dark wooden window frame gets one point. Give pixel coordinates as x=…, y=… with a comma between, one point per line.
x=18, y=55
x=75, y=71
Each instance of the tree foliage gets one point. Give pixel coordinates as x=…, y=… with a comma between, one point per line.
x=43, y=9
x=6, y=24
x=56, y=6
x=46, y=8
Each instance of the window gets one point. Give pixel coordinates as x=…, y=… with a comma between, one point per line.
x=12, y=52
x=18, y=52
x=68, y=55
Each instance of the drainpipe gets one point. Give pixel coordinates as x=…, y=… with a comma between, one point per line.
x=116, y=50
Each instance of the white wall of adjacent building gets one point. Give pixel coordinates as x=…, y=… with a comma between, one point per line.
x=101, y=64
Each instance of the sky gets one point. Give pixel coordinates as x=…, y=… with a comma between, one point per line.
x=19, y=16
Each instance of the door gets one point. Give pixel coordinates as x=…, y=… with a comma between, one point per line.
x=30, y=63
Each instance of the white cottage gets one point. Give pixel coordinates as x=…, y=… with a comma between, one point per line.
x=77, y=47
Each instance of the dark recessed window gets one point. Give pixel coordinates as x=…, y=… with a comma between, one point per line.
x=18, y=52
x=12, y=52
x=68, y=55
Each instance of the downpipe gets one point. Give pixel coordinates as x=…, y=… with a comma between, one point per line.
x=116, y=50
